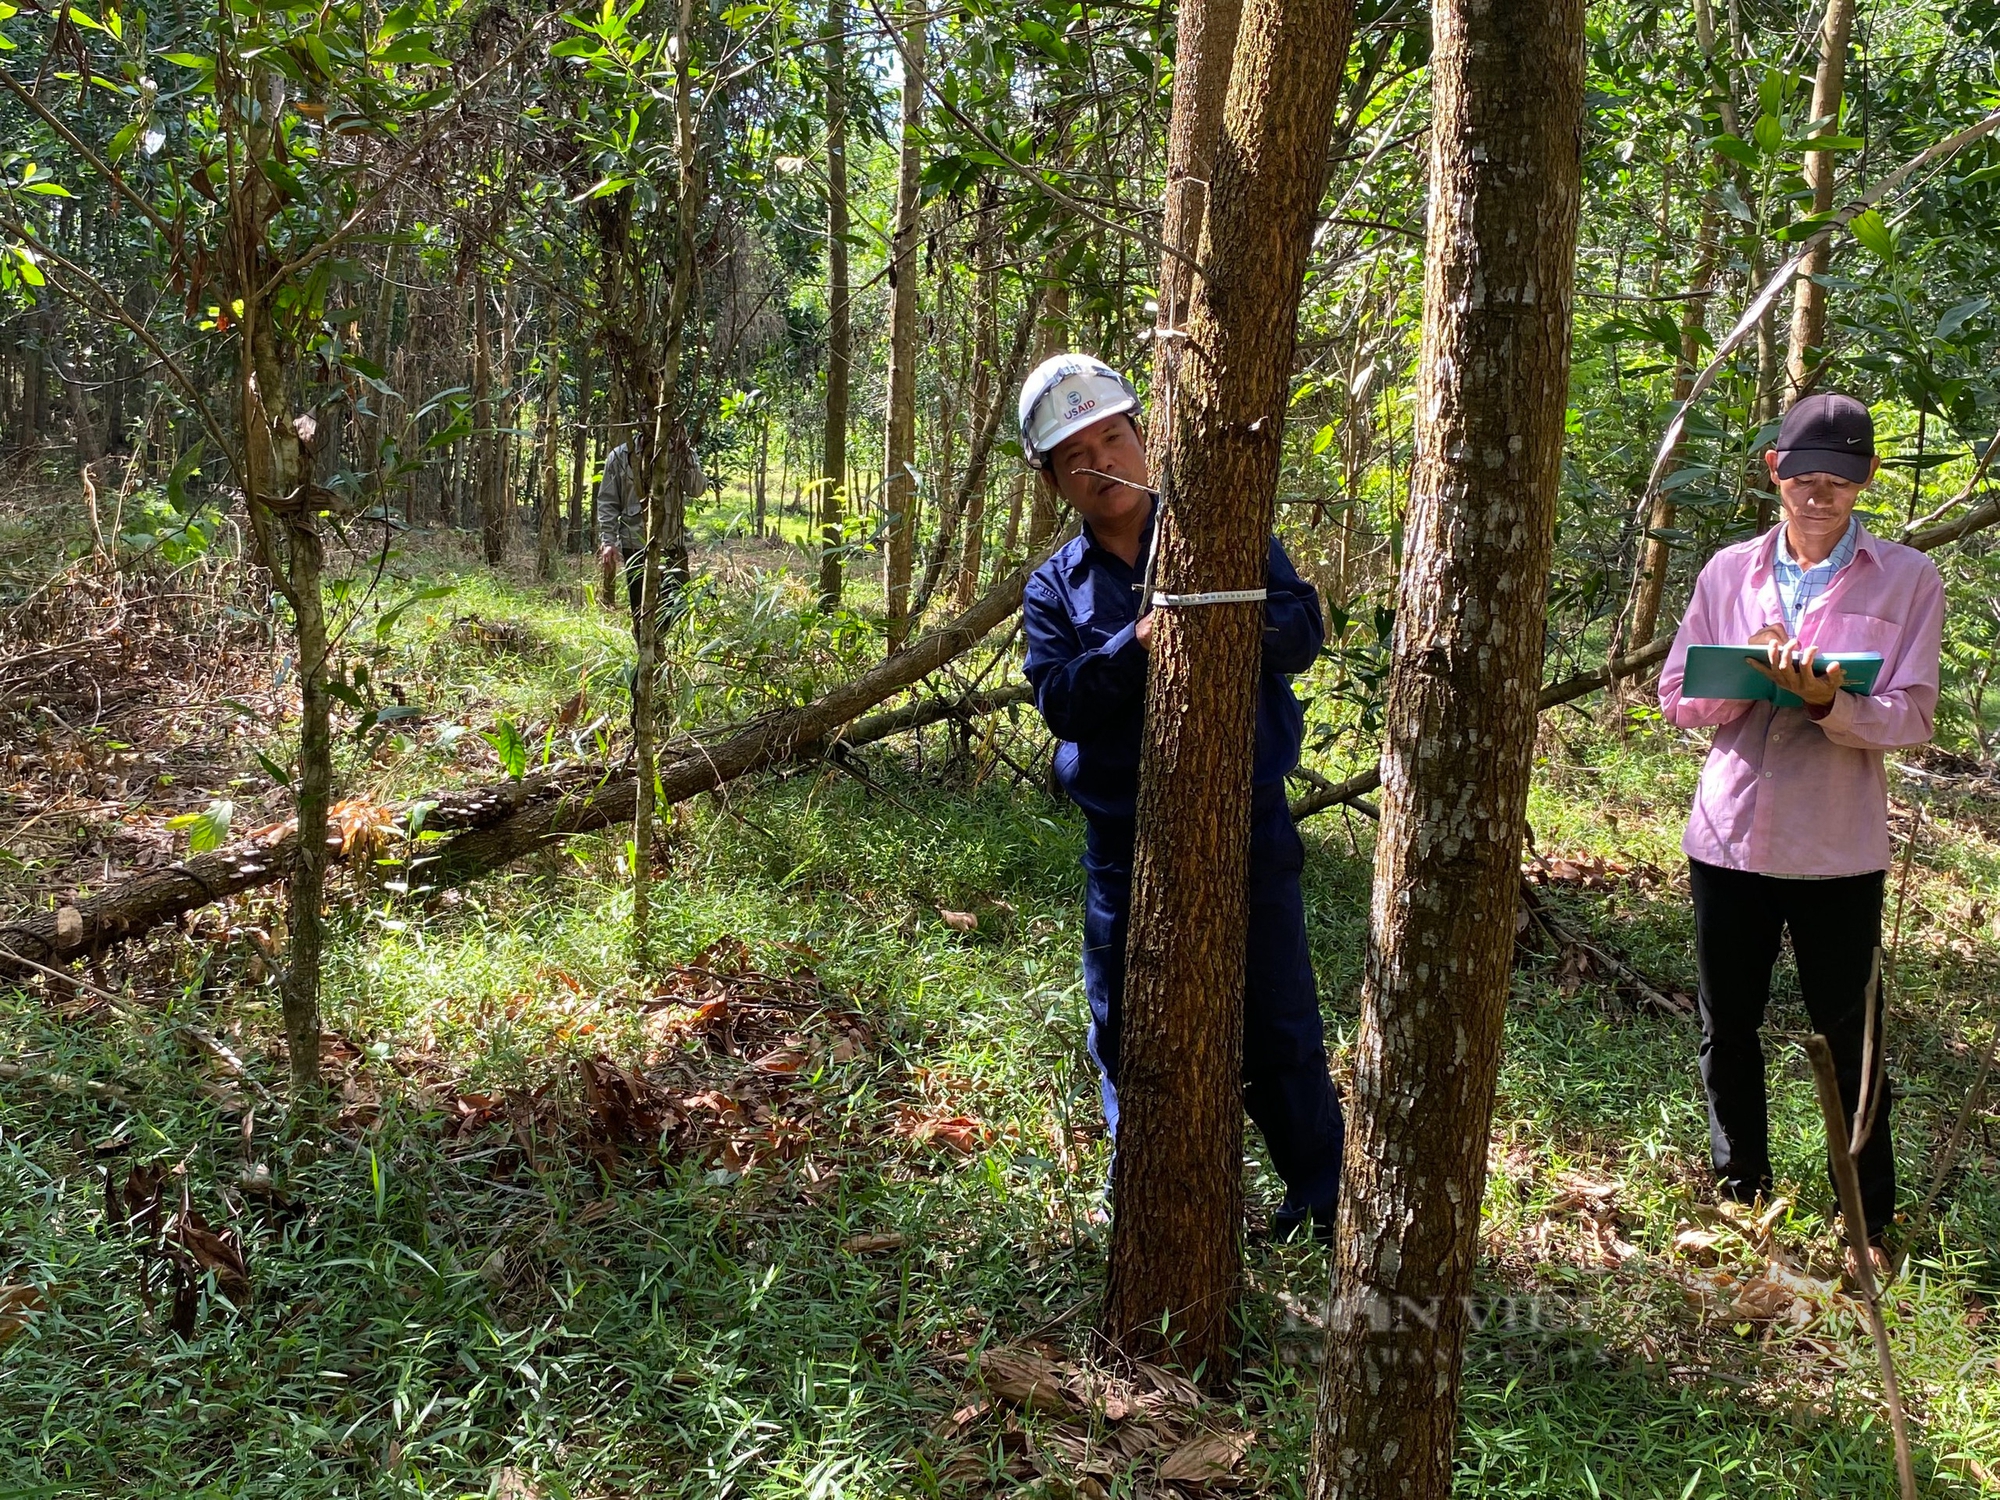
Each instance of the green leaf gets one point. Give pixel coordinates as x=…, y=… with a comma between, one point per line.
x=511, y=748
x=1959, y=316
x=1735, y=150
x=185, y=468
x=412, y=47
x=1874, y=235
x=122, y=142
x=272, y=769
x=1826, y=143
x=206, y=830
x=188, y=60
x=50, y=189
x=1768, y=135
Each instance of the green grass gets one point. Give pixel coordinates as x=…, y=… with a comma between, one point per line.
x=431, y=1308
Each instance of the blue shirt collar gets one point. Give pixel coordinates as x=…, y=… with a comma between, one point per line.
x=1087, y=543
x=1834, y=561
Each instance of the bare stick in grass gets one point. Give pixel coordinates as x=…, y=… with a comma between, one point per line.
x=1848, y=1183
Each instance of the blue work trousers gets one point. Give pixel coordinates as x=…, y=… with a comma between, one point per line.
x=1286, y=1087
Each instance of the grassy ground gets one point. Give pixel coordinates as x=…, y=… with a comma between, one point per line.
x=856, y=1146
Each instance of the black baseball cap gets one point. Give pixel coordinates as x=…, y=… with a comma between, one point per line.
x=1827, y=434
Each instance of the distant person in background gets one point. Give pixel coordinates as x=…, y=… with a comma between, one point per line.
x=1790, y=829
x=621, y=518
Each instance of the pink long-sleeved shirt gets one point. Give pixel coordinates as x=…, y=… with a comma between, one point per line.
x=1783, y=793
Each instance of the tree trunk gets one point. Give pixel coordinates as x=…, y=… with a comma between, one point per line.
x=839, y=311
x=1043, y=506
x=1010, y=539
x=998, y=401
x=579, y=456
x=900, y=491
x=986, y=338
x=1656, y=551
x=666, y=540
x=763, y=465
x=1175, y=1259
x=279, y=498
x=485, y=434
x=1506, y=151
x=549, y=526
x=1809, y=297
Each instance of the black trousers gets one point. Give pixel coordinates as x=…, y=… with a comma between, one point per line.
x=1836, y=927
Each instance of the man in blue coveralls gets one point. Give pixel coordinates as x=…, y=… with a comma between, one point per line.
x=1089, y=632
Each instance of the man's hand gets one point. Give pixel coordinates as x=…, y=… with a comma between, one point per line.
x=1142, y=631
x=1791, y=669
x=608, y=563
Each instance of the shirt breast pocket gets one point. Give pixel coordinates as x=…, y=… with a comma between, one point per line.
x=1864, y=633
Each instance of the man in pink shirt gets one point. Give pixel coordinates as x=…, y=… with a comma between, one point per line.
x=1790, y=827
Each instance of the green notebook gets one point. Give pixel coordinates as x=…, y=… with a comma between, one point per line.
x=1725, y=672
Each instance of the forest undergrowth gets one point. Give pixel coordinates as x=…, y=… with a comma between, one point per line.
x=815, y=1207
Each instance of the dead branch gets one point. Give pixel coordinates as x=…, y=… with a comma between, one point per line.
x=1848, y=1182
x=493, y=825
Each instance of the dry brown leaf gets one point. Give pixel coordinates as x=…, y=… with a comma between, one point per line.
x=780, y=1060
x=511, y=1484
x=1177, y=1389
x=960, y=921
x=220, y=1252
x=960, y=1133
x=1697, y=1244
x=1206, y=1458
x=17, y=1305
x=1023, y=1379
x=873, y=1244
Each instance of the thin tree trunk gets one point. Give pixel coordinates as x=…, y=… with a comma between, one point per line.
x=1175, y=1257
x=1506, y=152
x=763, y=465
x=839, y=312
x=901, y=493
x=1043, y=511
x=550, y=520
x=378, y=353
x=986, y=337
x=485, y=434
x=1809, y=297
x=665, y=505
x=1010, y=540
x=1649, y=581
x=996, y=404
x=279, y=499
x=580, y=441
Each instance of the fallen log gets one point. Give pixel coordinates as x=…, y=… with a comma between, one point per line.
x=492, y=825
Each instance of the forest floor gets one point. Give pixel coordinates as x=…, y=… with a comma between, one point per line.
x=753, y=1220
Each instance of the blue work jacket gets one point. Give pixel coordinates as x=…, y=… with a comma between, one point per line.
x=1089, y=674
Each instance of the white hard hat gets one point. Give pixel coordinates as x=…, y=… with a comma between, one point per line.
x=1064, y=395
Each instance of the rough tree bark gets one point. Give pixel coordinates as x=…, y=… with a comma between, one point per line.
x=839, y=312
x=1175, y=1255
x=1809, y=297
x=1506, y=151
x=900, y=492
